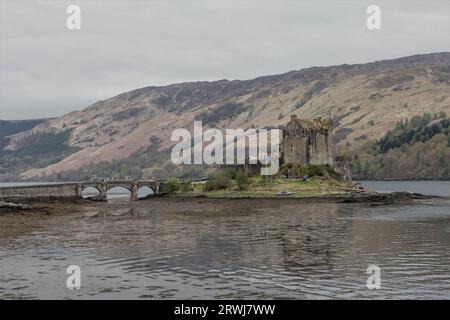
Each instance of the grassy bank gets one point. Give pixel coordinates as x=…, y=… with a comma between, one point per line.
x=270, y=187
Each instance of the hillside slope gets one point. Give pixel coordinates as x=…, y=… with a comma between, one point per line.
x=416, y=148
x=363, y=100
x=9, y=127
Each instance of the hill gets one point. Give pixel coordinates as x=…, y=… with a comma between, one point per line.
x=9, y=127
x=416, y=148
x=129, y=134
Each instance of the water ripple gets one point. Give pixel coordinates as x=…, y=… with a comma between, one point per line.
x=305, y=251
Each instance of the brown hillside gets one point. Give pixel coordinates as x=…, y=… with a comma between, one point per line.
x=364, y=101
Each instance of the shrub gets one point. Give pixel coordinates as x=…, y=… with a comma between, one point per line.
x=187, y=187
x=209, y=185
x=299, y=171
x=173, y=185
x=241, y=180
x=231, y=174
x=217, y=182
x=319, y=171
x=222, y=182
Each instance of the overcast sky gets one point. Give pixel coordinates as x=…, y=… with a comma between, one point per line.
x=48, y=70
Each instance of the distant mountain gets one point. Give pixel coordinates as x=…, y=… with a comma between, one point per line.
x=129, y=134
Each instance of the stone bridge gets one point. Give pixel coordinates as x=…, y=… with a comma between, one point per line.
x=75, y=189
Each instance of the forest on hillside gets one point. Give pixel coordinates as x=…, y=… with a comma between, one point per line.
x=416, y=148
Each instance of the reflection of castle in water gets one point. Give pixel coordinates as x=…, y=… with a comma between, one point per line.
x=307, y=244
x=302, y=242
x=299, y=250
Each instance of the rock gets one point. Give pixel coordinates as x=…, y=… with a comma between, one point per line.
x=14, y=206
x=284, y=193
x=376, y=198
x=357, y=185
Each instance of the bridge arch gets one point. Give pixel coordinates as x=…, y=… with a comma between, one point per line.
x=90, y=191
x=145, y=191
x=133, y=189
x=118, y=192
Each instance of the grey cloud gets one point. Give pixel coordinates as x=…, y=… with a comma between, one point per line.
x=47, y=70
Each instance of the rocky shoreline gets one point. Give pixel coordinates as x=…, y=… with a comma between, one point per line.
x=351, y=197
x=10, y=206
x=388, y=198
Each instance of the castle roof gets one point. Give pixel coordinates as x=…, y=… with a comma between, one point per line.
x=315, y=124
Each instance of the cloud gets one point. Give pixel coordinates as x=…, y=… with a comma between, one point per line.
x=47, y=70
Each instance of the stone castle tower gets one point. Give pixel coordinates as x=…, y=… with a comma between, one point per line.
x=307, y=142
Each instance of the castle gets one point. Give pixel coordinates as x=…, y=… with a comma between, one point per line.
x=304, y=142
x=307, y=142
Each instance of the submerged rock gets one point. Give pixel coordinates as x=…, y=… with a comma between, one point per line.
x=386, y=198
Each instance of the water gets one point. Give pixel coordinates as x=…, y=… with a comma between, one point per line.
x=295, y=251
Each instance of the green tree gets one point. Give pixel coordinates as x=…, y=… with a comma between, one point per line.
x=367, y=169
x=357, y=167
x=173, y=185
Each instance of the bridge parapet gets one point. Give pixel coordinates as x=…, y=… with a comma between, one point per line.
x=63, y=190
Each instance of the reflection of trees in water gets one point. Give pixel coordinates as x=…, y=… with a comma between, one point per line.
x=349, y=237
x=397, y=231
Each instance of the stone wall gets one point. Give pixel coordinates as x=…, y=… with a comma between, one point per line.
x=41, y=191
x=320, y=148
x=343, y=166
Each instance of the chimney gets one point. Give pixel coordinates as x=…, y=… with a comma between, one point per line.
x=293, y=117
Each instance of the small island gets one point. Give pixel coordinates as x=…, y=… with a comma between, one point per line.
x=320, y=184
x=314, y=181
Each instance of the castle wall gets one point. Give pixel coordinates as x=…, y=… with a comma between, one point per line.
x=320, y=148
x=294, y=147
x=309, y=144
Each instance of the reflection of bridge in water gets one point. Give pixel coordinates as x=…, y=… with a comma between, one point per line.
x=113, y=212
x=75, y=189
